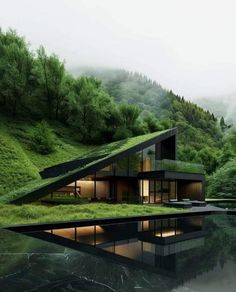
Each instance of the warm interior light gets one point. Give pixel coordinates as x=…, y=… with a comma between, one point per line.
x=85, y=231
x=66, y=232
x=99, y=230
x=168, y=233
x=145, y=225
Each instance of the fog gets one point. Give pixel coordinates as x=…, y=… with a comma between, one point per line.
x=186, y=46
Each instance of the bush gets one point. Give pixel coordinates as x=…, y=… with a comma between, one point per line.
x=122, y=133
x=42, y=139
x=222, y=183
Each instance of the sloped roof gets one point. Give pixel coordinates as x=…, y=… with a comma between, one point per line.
x=109, y=153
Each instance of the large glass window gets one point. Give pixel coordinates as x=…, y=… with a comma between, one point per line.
x=149, y=158
x=126, y=165
x=129, y=164
x=135, y=162
x=152, y=191
x=157, y=191
x=122, y=166
x=172, y=190
x=108, y=168
x=165, y=190
x=158, y=198
x=144, y=190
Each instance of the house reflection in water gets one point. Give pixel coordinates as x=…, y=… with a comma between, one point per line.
x=154, y=242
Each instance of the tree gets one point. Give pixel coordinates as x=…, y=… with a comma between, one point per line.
x=222, y=183
x=223, y=125
x=69, y=100
x=152, y=123
x=50, y=72
x=226, y=155
x=129, y=114
x=91, y=110
x=208, y=159
x=231, y=139
x=16, y=65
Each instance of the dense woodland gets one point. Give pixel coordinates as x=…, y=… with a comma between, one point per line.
x=36, y=85
x=101, y=106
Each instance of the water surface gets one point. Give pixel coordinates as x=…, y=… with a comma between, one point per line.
x=186, y=254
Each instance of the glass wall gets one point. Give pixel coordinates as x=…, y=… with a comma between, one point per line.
x=129, y=164
x=155, y=195
x=144, y=190
x=158, y=198
x=152, y=191
x=108, y=168
x=157, y=191
x=135, y=162
x=149, y=158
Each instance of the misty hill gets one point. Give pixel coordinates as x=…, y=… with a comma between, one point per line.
x=131, y=87
x=221, y=106
x=199, y=133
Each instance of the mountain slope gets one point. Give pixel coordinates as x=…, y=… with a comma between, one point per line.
x=19, y=163
x=200, y=136
x=16, y=168
x=131, y=87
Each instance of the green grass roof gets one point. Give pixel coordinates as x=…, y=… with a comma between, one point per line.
x=122, y=145
x=110, y=150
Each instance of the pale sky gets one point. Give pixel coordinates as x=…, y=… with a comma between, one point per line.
x=188, y=46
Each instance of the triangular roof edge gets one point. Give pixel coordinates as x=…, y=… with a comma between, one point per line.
x=76, y=174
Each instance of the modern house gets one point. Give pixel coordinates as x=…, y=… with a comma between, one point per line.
x=141, y=169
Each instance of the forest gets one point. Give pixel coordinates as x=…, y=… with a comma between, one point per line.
x=105, y=105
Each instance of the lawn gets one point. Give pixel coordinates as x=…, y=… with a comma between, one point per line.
x=32, y=213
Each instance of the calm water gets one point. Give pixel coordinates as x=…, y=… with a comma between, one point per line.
x=191, y=254
x=225, y=205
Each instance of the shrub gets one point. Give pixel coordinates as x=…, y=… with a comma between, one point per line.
x=122, y=133
x=42, y=139
x=222, y=183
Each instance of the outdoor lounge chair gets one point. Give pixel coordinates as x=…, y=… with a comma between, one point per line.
x=198, y=203
x=178, y=204
x=185, y=200
x=195, y=203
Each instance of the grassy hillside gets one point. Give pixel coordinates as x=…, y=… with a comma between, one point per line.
x=20, y=164
x=16, y=168
x=67, y=147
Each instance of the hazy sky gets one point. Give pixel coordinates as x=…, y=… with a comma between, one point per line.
x=186, y=45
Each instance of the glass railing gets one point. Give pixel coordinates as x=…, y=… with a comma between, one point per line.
x=179, y=166
x=124, y=167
